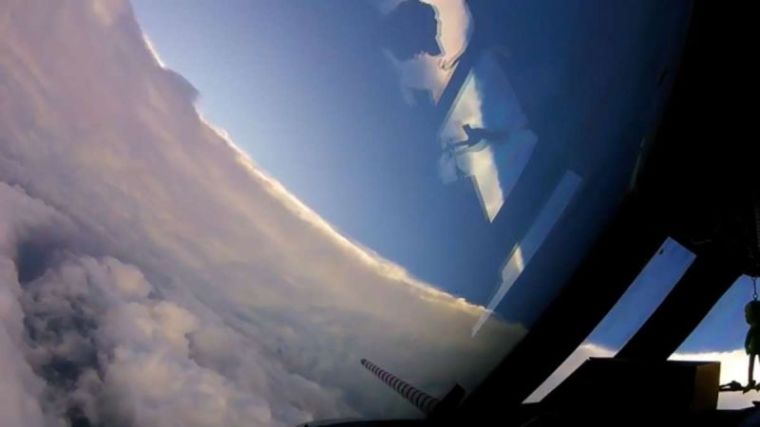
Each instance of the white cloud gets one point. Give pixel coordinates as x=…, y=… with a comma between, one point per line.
x=21, y=391
x=87, y=310
x=168, y=281
x=108, y=11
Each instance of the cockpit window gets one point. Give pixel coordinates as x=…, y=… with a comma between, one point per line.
x=212, y=213
x=641, y=299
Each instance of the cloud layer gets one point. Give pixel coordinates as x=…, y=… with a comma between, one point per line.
x=151, y=275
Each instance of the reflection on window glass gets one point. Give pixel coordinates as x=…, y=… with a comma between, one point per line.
x=431, y=72
x=523, y=251
x=485, y=136
x=639, y=301
x=720, y=336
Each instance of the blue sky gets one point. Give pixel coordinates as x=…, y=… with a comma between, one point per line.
x=306, y=89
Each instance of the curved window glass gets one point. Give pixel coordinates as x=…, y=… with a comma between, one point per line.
x=221, y=212
x=635, y=306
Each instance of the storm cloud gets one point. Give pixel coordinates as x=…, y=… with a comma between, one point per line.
x=152, y=275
